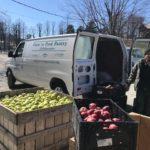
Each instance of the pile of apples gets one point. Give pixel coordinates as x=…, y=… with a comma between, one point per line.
x=26, y=102
x=94, y=113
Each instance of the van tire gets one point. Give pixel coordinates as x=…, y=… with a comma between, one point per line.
x=59, y=86
x=10, y=79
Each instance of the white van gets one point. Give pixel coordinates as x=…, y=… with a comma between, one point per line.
x=72, y=63
x=138, y=49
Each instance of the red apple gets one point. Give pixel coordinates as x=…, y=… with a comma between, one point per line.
x=90, y=112
x=116, y=119
x=83, y=109
x=113, y=127
x=108, y=120
x=92, y=105
x=98, y=108
x=94, y=116
x=100, y=120
x=106, y=108
x=85, y=119
x=90, y=119
x=84, y=114
x=101, y=111
x=97, y=112
x=106, y=114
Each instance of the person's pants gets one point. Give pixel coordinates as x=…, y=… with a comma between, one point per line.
x=141, y=103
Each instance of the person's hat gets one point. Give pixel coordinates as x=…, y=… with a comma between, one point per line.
x=146, y=52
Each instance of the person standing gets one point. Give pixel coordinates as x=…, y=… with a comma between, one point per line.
x=140, y=76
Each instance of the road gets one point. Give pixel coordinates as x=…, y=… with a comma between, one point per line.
x=4, y=87
x=3, y=80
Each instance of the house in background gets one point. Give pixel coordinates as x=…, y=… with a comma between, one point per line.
x=144, y=31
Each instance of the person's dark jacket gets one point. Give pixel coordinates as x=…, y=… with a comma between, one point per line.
x=135, y=74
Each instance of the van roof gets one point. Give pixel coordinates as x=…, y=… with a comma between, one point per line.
x=108, y=36
x=71, y=35
x=143, y=39
x=53, y=36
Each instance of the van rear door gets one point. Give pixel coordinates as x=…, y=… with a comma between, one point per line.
x=84, y=64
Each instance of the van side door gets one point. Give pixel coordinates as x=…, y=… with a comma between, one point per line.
x=18, y=61
x=84, y=64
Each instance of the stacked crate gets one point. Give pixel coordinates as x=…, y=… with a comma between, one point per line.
x=47, y=129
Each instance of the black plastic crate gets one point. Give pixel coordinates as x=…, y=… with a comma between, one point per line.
x=117, y=93
x=92, y=136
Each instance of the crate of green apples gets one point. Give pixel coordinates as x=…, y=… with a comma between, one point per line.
x=41, y=99
x=35, y=118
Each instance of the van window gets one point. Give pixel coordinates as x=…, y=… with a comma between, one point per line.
x=84, y=47
x=137, y=53
x=139, y=48
x=19, y=50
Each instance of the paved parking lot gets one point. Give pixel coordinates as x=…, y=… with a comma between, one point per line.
x=4, y=87
x=3, y=81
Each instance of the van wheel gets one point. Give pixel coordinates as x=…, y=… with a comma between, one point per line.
x=59, y=87
x=11, y=80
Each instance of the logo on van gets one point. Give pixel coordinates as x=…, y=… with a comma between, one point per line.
x=59, y=43
x=50, y=43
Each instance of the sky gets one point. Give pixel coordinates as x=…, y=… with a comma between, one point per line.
x=11, y=10
x=14, y=11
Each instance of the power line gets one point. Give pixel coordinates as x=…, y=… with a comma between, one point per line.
x=3, y=13
x=38, y=9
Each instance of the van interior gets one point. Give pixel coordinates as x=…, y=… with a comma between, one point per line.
x=109, y=58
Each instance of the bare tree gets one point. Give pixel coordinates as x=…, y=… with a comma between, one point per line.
x=18, y=31
x=80, y=28
x=32, y=32
x=11, y=34
x=110, y=16
x=61, y=27
x=23, y=28
x=134, y=23
x=70, y=29
x=53, y=28
x=6, y=37
x=91, y=26
x=3, y=35
x=47, y=28
x=39, y=28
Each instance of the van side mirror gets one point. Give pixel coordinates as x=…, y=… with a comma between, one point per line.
x=10, y=54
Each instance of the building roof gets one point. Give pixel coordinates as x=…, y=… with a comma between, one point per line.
x=147, y=25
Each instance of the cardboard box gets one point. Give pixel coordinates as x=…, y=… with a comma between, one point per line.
x=72, y=144
x=143, y=141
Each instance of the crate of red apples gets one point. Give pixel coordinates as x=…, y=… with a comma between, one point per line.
x=101, y=124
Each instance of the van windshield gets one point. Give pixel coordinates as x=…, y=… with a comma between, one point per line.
x=84, y=47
